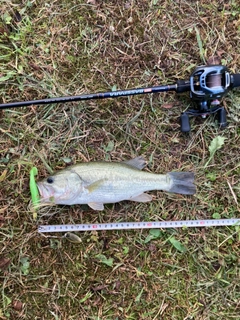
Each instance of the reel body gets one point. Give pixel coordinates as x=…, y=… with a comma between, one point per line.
x=208, y=84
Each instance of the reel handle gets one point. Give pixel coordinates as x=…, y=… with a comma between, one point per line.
x=185, y=123
x=222, y=118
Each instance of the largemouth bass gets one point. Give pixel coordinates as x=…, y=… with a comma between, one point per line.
x=97, y=183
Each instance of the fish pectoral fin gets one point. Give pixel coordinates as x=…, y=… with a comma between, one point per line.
x=96, y=206
x=143, y=197
x=95, y=185
x=137, y=163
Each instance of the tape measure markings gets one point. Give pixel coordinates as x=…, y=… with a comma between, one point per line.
x=139, y=225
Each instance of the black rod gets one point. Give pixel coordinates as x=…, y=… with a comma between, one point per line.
x=101, y=95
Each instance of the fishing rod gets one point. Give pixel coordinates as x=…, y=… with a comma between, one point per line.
x=207, y=85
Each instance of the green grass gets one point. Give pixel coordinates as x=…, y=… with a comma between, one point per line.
x=60, y=48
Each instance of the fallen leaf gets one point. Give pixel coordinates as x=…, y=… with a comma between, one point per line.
x=1, y=220
x=220, y=53
x=17, y=305
x=177, y=244
x=214, y=60
x=167, y=105
x=117, y=285
x=99, y=288
x=3, y=175
x=4, y=262
x=153, y=234
x=103, y=259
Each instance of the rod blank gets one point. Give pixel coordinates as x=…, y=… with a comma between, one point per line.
x=101, y=95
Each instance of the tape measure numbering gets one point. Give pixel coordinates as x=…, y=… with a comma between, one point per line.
x=139, y=225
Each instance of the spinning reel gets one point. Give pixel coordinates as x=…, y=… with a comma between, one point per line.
x=207, y=85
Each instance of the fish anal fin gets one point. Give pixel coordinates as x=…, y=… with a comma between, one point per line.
x=143, y=197
x=96, y=206
x=137, y=163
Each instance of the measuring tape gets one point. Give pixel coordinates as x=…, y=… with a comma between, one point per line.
x=138, y=225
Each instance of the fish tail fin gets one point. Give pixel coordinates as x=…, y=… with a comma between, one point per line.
x=182, y=182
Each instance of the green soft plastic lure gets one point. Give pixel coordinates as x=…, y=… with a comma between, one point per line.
x=34, y=191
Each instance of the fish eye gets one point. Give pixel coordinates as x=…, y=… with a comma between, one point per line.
x=50, y=180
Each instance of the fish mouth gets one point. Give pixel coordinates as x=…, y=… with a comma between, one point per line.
x=44, y=192
x=49, y=196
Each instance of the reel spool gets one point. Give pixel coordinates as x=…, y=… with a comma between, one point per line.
x=208, y=84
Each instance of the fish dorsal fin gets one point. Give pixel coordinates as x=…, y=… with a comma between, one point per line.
x=137, y=163
x=143, y=197
x=96, y=206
